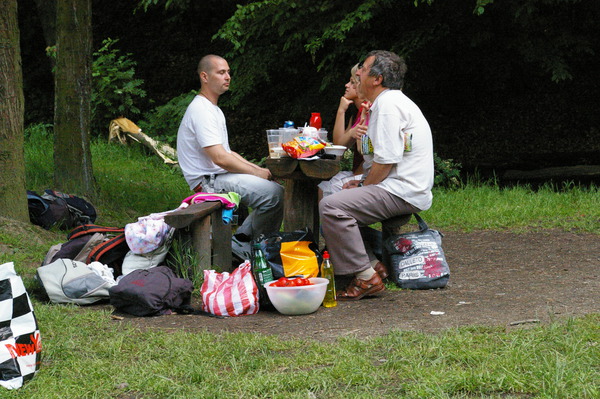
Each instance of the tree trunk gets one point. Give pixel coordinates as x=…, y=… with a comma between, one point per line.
x=72, y=110
x=13, y=199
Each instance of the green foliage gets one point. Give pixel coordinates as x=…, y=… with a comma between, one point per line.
x=480, y=6
x=145, y=4
x=265, y=29
x=184, y=260
x=487, y=205
x=39, y=170
x=347, y=160
x=163, y=121
x=115, y=90
x=447, y=172
x=38, y=131
x=123, y=175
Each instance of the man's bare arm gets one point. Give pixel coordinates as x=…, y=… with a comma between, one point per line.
x=234, y=163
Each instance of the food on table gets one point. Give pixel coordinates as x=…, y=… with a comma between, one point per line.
x=303, y=147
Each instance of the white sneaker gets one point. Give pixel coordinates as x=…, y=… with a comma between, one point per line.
x=241, y=249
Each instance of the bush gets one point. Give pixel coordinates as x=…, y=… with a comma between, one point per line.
x=447, y=172
x=114, y=89
x=163, y=121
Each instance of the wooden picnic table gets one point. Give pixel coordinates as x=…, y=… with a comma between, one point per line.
x=301, y=203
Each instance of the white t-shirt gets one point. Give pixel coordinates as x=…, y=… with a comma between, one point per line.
x=397, y=122
x=203, y=125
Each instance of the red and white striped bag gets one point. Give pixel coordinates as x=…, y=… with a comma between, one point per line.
x=230, y=294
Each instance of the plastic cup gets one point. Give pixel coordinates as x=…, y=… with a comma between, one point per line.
x=274, y=137
x=322, y=135
x=288, y=134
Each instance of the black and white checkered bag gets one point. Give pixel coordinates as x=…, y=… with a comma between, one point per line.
x=20, y=342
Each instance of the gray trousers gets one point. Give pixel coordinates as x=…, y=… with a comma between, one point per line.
x=345, y=212
x=264, y=197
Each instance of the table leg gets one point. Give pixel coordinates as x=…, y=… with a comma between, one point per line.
x=301, y=206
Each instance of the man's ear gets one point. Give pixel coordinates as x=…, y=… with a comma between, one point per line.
x=203, y=77
x=378, y=80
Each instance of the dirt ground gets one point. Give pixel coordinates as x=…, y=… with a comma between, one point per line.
x=497, y=279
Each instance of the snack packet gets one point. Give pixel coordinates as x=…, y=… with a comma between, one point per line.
x=303, y=147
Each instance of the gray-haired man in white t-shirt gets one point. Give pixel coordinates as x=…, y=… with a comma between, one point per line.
x=399, y=175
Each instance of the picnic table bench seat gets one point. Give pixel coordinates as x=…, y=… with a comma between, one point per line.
x=211, y=238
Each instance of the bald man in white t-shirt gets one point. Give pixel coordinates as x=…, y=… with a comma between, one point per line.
x=209, y=165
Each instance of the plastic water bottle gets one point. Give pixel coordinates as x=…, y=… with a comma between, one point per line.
x=327, y=272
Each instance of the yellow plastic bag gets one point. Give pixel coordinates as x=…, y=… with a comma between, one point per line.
x=292, y=253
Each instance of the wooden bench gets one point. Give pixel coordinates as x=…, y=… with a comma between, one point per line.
x=211, y=238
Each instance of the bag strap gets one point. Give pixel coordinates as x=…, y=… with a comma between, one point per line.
x=93, y=228
x=99, y=250
x=422, y=225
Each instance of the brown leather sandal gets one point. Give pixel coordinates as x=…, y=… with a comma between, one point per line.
x=358, y=288
x=382, y=270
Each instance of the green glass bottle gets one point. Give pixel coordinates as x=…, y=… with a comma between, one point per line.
x=261, y=268
x=327, y=272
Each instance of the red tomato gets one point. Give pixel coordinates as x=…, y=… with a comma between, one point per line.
x=291, y=282
x=282, y=282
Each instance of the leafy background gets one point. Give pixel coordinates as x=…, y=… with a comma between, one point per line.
x=504, y=85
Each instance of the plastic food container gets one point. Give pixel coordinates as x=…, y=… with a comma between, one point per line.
x=298, y=300
x=335, y=150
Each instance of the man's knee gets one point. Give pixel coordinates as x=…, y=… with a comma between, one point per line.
x=271, y=197
x=278, y=191
x=328, y=208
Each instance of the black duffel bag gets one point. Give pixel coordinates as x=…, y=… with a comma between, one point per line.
x=152, y=292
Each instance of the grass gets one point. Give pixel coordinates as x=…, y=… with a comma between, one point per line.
x=489, y=206
x=88, y=355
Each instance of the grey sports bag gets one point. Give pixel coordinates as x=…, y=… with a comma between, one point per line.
x=70, y=281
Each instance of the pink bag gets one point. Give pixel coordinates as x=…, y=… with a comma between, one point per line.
x=146, y=235
x=230, y=294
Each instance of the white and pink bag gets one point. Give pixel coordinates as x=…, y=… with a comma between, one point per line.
x=147, y=234
x=230, y=294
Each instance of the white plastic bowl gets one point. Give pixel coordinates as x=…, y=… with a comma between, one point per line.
x=298, y=300
x=337, y=150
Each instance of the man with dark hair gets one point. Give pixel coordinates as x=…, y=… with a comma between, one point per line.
x=209, y=165
x=399, y=175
